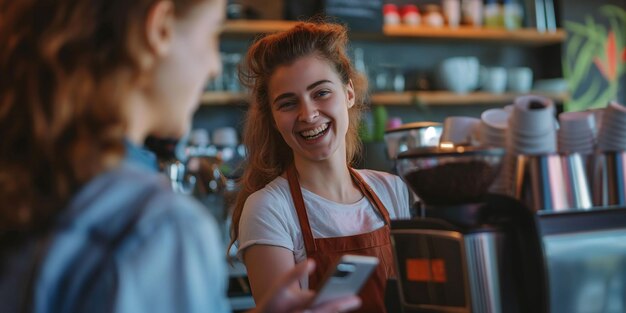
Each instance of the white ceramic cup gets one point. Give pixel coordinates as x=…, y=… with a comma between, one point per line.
x=199, y=137
x=459, y=74
x=225, y=136
x=459, y=130
x=519, y=79
x=493, y=79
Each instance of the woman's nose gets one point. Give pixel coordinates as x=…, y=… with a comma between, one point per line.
x=308, y=112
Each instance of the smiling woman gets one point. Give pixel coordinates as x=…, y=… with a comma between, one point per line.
x=310, y=109
x=300, y=196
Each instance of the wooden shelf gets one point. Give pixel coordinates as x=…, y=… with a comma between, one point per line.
x=254, y=27
x=223, y=98
x=427, y=98
x=525, y=36
x=446, y=98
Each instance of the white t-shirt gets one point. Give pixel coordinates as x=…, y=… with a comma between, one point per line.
x=269, y=216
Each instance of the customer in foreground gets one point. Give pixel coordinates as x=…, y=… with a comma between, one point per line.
x=84, y=227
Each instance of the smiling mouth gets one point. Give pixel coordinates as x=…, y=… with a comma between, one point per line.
x=316, y=132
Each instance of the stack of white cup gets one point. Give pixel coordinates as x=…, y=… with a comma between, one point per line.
x=577, y=132
x=532, y=127
x=493, y=126
x=531, y=131
x=612, y=134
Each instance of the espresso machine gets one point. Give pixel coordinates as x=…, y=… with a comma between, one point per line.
x=468, y=251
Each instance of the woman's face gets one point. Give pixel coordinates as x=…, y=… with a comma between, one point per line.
x=310, y=105
x=180, y=76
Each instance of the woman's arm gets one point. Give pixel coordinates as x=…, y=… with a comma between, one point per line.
x=282, y=298
x=265, y=264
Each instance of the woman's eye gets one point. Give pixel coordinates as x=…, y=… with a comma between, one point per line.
x=322, y=93
x=286, y=105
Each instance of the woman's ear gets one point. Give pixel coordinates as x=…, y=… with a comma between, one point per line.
x=350, y=94
x=159, y=27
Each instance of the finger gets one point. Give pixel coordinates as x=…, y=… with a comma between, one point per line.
x=340, y=305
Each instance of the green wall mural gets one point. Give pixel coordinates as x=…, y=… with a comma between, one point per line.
x=594, y=58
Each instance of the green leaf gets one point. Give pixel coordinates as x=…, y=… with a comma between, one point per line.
x=613, y=10
x=582, y=65
x=609, y=94
x=587, y=99
x=572, y=46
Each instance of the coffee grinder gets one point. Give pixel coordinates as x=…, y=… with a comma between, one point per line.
x=470, y=251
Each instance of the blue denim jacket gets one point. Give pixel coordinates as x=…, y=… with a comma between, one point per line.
x=128, y=243
x=140, y=156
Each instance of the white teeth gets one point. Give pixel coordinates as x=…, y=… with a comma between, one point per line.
x=309, y=134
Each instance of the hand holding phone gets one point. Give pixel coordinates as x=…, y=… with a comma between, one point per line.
x=346, y=278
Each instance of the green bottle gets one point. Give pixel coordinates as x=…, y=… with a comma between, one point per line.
x=380, y=122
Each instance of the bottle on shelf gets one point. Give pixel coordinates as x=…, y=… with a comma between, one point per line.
x=452, y=12
x=359, y=62
x=391, y=15
x=410, y=15
x=512, y=14
x=433, y=16
x=493, y=14
x=472, y=12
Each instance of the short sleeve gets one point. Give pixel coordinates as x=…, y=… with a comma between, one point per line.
x=265, y=221
x=403, y=199
x=177, y=265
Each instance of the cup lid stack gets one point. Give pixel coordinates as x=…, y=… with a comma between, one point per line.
x=532, y=126
x=577, y=132
x=612, y=134
x=493, y=126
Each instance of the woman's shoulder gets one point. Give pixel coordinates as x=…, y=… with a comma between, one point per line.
x=276, y=190
x=130, y=192
x=391, y=189
x=130, y=214
x=379, y=176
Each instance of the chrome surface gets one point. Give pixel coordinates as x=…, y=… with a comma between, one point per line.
x=609, y=177
x=412, y=135
x=180, y=180
x=553, y=182
x=587, y=271
x=483, y=251
x=576, y=182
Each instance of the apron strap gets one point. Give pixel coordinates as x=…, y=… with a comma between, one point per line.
x=303, y=218
x=371, y=195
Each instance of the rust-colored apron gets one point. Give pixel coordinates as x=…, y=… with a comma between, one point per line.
x=327, y=251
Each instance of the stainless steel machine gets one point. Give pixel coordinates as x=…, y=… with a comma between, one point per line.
x=471, y=251
x=479, y=257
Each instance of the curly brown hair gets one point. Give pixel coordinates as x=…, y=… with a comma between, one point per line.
x=268, y=154
x=66, y=66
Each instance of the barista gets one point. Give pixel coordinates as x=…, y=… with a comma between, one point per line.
x=300, y=196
